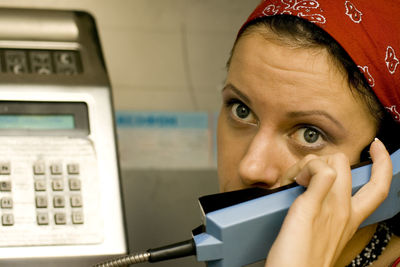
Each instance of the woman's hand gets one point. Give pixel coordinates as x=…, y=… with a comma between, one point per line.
x=325, y=217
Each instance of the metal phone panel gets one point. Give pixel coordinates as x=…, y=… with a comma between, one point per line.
x=109, y=237
x=60, y=197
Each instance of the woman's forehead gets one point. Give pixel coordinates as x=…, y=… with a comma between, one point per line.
x=278, y=79
x=260, y=62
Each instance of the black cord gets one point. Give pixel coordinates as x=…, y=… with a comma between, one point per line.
x=173, y=251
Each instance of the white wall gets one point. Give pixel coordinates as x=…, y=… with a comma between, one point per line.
x=162, y=54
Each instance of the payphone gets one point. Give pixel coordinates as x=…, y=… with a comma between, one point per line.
x=60, y=198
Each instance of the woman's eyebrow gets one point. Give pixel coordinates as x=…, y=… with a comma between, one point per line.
x=294, y=114
x=233, y=88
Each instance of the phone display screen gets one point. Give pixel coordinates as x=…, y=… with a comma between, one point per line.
x=37, y=122
x=44, y=118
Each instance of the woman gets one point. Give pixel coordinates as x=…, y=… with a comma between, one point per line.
x=298, y=106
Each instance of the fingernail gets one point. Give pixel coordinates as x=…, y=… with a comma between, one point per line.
x=377, y=139
x=380, y=144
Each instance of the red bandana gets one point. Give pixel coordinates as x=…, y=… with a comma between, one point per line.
x=369, y=31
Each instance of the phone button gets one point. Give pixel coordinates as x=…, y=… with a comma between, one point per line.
x=76, y=201
x=40, y=185
x=77, y=217
x=59, y=202
x=38, y=168
x=6, y=203
x=5, y=168
x=60, y=218
x=41, y=202
x=5, y=186
x=42, y=219
x=74, y=184
x=57, y=185
x=7, y=219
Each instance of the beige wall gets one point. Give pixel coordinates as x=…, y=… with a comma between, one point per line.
x=162, y=54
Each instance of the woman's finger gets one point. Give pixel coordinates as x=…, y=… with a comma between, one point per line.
x=292, y=172
x=319, y=177
x=341, y=189
x=372, y=194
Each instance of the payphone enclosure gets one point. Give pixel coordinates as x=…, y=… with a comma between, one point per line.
x=60, y=196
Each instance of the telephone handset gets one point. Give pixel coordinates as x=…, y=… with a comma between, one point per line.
x=218, y=201
x=240, y=226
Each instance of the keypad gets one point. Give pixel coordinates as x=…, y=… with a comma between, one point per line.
x=57, y=191
x=58, y=196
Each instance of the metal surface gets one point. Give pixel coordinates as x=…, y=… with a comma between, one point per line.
x=38, y=25
x=51, y=32
x=103, y=140
x=86, y=43
x=244, y=233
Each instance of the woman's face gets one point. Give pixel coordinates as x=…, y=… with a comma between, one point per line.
x=281, y=104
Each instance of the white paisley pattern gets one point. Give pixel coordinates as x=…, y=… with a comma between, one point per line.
x=394, y=112
x=307, y=8
x=391, y=60
x=353, y=13
x=364, y=70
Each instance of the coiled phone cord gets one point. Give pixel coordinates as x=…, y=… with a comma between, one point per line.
x=173, y=251
x=126, y=260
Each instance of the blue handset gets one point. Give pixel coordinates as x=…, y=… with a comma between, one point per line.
x=243, y=233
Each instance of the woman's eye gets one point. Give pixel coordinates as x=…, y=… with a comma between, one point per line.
x=243, y=113
x=309, y=137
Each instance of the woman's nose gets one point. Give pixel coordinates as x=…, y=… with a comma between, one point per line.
x=262, y=164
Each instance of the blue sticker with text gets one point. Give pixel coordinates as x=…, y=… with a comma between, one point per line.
x=175, y=120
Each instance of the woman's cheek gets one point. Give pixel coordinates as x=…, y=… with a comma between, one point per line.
x=227, y=166
x=231, y=149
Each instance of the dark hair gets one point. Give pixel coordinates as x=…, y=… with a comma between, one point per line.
x=297, y=32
